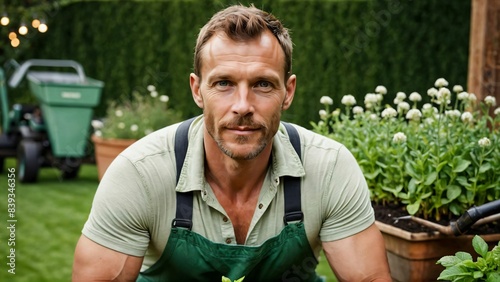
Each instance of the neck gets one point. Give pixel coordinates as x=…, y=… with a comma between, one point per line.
x=236, y=179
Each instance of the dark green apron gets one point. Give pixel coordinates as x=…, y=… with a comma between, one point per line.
x=189, y=256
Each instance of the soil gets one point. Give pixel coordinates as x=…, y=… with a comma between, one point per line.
x=389, y=214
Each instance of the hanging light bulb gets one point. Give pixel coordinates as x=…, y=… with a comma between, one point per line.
x=4, y=20
x=42, y=27
x=15, y=42
x=23, y=30
x=12, y=35
x=35, y=23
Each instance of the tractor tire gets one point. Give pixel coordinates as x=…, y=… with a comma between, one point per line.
x=70, y=167
x=28, y=161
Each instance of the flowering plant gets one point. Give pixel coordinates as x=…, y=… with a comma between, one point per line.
x=137, y=117
x=441, y=157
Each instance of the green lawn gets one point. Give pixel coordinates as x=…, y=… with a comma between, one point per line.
x=50, y=215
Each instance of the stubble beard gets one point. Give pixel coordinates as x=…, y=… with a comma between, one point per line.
x=262, y=142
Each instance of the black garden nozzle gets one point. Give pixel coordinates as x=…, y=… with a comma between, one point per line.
x=474, y=214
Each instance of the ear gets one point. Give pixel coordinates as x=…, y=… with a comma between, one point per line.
x=194, y=83
x=290, y=92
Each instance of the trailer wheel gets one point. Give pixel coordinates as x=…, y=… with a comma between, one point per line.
x=28, y=160
x=70, y=167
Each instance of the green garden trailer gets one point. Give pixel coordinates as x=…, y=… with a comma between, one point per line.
x=54, y=132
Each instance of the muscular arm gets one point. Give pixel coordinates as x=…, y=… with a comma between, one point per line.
x=360, y=257
x=94, y=262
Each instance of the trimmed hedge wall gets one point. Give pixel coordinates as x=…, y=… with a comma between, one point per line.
x=341, y=47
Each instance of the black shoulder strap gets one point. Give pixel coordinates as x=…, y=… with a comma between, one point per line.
x=184, y=210
x=293, y=208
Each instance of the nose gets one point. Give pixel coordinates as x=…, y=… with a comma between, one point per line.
x=243, y=102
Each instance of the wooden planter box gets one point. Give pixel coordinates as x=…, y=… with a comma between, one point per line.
x=413, y=256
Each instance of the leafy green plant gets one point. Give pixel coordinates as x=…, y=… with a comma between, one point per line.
x=434, y=159
x=462, y=268
x=225, y=279
x=136, y=117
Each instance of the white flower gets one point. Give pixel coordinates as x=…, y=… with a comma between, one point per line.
x=453, y=113
x=118, y=113
x=467, y=117
x=415, y=97
x=427, y=106
x=497, y=111
x=490, y=101
x=429, y=120
x=484, y=142
x=400, y=96
x=325, y=100
x=371, y=98
x=321, y=123
x=399, y=137
x=164, y=98
x=154, y=94
x=397, y=101
x=323, y=114
x=348, y=100
x=336, y=113
x=134, y=127
x=121, y=125
x=98, y=133
x=97, y=124
x=357, y=110
x=414, y=114
x=373, y=117
x=432, y=92
x=441, y=82
x=381, y=90
x=472, y=97
x=443, y=96
x=151, y=88
x=379, y=97
x=403, y=107
x=463, y=96
x=389, y=113
x=458, y=88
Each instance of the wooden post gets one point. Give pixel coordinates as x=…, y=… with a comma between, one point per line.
x=484, y=49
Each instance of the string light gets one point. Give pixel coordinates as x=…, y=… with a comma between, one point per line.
x=35, y=23
x=4, y=20
x=12, y=35
x=42, y=27
x=23, y=29
x=15, y=42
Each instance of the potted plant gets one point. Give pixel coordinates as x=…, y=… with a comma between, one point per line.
x=432, y=160
x=462, y=267
x=127, y=121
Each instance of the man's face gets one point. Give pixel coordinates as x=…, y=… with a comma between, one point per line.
x=242, y=93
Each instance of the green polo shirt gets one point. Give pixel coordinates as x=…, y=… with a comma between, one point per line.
x=135, y=202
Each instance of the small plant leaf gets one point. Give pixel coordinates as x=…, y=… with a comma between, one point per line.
x=448, y=261
x=453, y=191
x=453, y=273
x=493, y=277
x=225, y=279
x=413, y=208
x=480, y=245
x=240, y=280
x=461, y=166
x=463, y=256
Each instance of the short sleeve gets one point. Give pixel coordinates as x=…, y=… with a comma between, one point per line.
x=346, y=201
x=120, y=210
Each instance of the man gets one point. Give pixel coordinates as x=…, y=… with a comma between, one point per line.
x=242, y=216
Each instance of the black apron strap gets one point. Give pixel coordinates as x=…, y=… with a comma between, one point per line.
x=184, y=209
x=293, y=209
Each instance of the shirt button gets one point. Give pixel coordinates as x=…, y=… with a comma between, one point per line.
x=204, y=192
x=228, y=241
x=260, y=206
x=225, y=219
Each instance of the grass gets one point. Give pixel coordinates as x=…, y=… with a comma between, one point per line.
x=50, y=215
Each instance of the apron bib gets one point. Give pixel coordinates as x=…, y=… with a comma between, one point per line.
x=188, y=256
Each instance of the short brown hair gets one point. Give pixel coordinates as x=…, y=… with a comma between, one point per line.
x=242, y=23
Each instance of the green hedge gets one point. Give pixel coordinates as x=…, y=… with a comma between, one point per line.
x=341, y=47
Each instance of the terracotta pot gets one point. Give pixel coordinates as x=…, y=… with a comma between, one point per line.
x=106, y=151
x=413, y=256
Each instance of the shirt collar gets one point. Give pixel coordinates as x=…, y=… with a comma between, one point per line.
x=285, y=160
